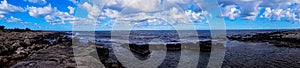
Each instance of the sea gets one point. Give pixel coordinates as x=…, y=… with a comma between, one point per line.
x=238, y=54
x=146, y=36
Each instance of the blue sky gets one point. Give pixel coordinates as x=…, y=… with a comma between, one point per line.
x=147, y=15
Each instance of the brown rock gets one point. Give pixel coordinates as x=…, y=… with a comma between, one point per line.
x=3, y=60
x=16, y=45
x=27, y=41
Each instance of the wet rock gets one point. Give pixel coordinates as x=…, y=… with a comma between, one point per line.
x=205, y=46
x=174, y=47
x=103, y=53
x=59, y=40
x=140, y=49
x=280, y=38
x=112, y=64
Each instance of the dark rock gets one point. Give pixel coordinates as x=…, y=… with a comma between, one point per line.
x=2, y=27
x=20, y=47
x=174, y=47
x=3, y=60
x=113, y=64
x=280, y=38
x=103, y=53
x=205, y=46
x=27, y=41
x=140, y=49
x=27, y=29
x=16, y=45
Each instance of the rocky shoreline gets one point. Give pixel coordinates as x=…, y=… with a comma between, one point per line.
x=18, y=47
x=142, y=52
x=280, y=38
x=29, y=49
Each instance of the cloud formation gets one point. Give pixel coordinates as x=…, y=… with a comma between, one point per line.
x=37, y=1
x=6, y=8
x=137, y=12
x=13, y=19
x=72, y=9
x=54, y=16
x=74, y=1
x=274, y=10
x=153, y=12
x=41, y=11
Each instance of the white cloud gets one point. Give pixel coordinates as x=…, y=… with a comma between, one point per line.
x=231, y=12
x=196, y=17
x=278, y=3
x=41, y=11
x=74, y=1
x=13, y=19
x=143, y=12
x=2, y=17
x=172, y=16
x=6, y=8
x=93, y=10
x=111, y=13
x=243, y=9
x=162, y=11
x=71, y=9
x=37, y=1
x=146, y=5
x=276, y=10
x=289, y=14
x=54, y=16
x=133, y=6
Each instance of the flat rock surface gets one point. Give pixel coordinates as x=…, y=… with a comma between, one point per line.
x=53, y=57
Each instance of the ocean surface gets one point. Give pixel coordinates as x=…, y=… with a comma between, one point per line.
x=146, y=36
x=238, y=54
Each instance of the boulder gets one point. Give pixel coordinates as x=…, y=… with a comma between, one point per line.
x=174, y=47
x=205, y=46
x=103, y=53
x=27, y=41
x=142, y=49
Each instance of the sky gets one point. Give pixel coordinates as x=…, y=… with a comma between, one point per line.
x=66, y=15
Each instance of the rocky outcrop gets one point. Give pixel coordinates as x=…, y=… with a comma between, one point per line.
x=59, y=56
x=16, y=46
x=140, y=49
x=143, y=49
x=280, y=39
x=173, y=47
x=205, y=46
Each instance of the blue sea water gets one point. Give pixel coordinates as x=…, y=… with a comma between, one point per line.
x=147, y=36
